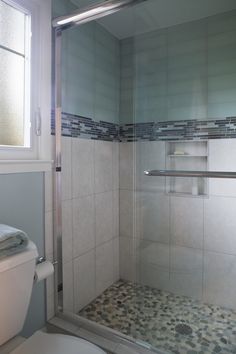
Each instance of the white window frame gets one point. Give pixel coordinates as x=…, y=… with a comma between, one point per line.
x=40, y=87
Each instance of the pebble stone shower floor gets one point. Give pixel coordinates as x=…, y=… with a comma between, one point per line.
x=172, y=323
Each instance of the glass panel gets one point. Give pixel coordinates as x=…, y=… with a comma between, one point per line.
x=151, y=257
x=181, y=72
x=11, y=99
x=183, y=239
x=12, y=28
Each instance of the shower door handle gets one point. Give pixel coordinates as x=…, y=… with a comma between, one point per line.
x=183, y=173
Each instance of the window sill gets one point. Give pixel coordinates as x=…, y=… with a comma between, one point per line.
x=23, y=166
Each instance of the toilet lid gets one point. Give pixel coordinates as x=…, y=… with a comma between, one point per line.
x=44, y=343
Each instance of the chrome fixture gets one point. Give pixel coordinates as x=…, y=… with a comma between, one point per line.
x=183, y=173
x=40, y=260
x=93, y=12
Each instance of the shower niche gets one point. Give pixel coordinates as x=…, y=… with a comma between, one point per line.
x=188, y=156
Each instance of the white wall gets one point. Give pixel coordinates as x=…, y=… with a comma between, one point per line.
x=113, y=214
x=90, y=241
x=184, y=245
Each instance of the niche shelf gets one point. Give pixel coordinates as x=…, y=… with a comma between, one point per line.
x=187, y=155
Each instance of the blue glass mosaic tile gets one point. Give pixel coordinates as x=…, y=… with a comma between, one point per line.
x=82, y=127
x=179, y=130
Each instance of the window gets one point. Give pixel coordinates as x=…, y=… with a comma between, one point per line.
x=25, y=79
x=15, y=120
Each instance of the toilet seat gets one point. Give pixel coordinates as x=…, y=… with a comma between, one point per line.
x=44, y=343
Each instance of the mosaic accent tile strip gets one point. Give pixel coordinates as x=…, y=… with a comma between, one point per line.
x=81, y=127
x=172, y=323
x=179, y=130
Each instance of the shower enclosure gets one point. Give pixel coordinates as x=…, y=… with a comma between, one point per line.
x=145, y=135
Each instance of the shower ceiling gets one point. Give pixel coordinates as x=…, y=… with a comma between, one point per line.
x=155, y=14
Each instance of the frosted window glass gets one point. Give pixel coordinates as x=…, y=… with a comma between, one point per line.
x=11, y=99
x=12, y=28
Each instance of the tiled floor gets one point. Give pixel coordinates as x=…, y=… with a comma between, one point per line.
x=172, y=323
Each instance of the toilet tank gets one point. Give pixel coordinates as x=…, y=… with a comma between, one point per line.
x=16, y=282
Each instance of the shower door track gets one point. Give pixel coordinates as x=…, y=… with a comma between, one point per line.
x=103, y=332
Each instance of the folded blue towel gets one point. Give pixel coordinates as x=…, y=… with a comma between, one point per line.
x=12, y=240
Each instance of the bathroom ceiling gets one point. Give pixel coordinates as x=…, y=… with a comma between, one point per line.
x=155, y=14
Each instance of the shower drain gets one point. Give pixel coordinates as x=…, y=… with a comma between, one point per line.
x=183, y=329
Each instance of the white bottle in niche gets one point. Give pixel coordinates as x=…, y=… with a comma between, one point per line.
x=195, y=186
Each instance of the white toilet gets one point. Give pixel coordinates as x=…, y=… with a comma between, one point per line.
x=16, y=282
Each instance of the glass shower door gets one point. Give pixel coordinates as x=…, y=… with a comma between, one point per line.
x=165, y=278
x=181, y=238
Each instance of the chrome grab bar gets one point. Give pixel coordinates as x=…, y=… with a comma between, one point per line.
x=183, y=173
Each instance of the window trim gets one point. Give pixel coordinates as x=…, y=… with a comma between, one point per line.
x=40, y=89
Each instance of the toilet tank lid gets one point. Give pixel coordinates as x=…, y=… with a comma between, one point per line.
x=13, y=261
